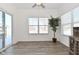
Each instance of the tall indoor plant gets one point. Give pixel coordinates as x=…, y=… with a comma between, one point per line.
x=54, y=23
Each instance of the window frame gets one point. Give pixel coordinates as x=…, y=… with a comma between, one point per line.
x=72, y=21
x=38, y=27
x=62, y=32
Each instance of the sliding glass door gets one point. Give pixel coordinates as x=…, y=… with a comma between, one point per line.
x=5, y=29
x=2, y=39
x=8, y=29
x=1, y=30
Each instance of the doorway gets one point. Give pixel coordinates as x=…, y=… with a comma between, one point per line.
x=5, y=29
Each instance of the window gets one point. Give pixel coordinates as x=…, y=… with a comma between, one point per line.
x=33, y=25
x=43, y=25
x=76, y=17
x=70, y=20
x=66, y=24
x=38, y=25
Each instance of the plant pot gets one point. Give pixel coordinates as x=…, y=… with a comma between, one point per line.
x=54, y=40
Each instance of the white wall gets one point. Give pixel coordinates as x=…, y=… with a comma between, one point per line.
x=22, y=24
x=66, y=8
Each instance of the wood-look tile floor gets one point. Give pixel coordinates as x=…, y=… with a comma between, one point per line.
x=37, y=48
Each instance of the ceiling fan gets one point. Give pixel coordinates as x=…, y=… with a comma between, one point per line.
x=38, y=5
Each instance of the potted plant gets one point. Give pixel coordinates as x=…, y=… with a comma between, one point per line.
x=54, y=23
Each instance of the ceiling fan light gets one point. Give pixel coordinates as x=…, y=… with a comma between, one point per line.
x=39, y=5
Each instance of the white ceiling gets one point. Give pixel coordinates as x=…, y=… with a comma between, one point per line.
x=60, y=8
x=29, y=5
x=47, y=5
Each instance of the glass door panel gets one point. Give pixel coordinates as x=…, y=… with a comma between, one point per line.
x=1, y=30
x=8, y=30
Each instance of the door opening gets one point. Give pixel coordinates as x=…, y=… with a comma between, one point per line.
x=5, y=29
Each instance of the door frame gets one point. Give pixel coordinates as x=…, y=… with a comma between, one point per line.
x=11, y=25
x=3, y=27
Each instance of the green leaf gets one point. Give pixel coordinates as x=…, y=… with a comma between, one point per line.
x=54, y=23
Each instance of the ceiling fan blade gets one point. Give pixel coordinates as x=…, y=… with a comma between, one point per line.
x=34, y=5
x=42, y=5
